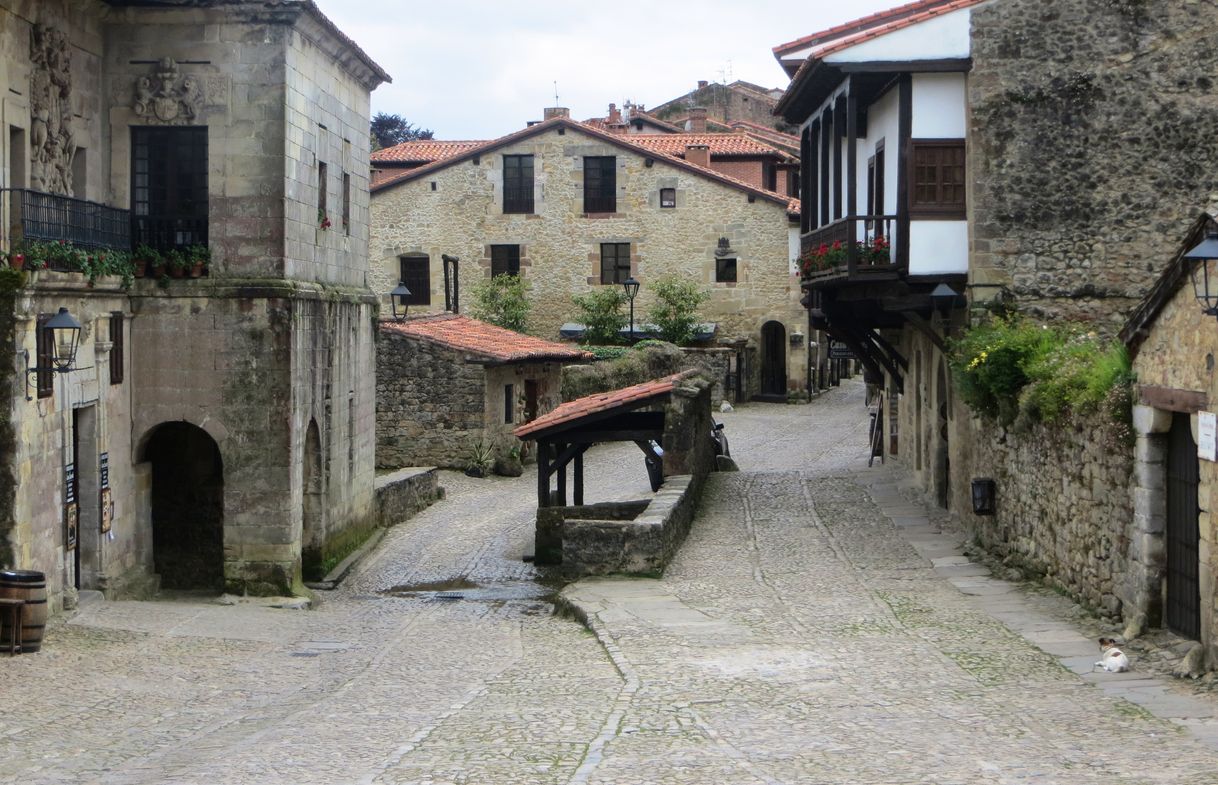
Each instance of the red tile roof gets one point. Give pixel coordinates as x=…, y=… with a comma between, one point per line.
x=424, y=150
x=892, y=19
x=622, y=126
x=485, y=341
x=719, y=144
x=601, y=403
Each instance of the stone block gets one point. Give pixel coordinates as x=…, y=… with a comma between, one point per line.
x=1148, y=420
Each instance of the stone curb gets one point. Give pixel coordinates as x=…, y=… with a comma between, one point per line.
x=343, y=568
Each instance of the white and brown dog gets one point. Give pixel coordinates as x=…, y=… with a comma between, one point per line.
x=1112, y=659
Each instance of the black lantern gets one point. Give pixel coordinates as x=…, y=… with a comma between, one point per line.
x=399, y=300
x=64, y=337
x=943, y=297
x=1204, y=272
x=632, y=290
x=983, y=496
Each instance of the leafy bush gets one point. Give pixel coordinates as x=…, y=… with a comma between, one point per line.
x=502, y=301
x=600, y=310
x=1014, y=369
x=675, y=313
x=606, y=352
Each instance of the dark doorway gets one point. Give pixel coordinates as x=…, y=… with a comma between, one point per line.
x=1183, y=596
x=313, y=523
x=187, y=507
x=943, y=468
x=531, y=400
x=774, y=360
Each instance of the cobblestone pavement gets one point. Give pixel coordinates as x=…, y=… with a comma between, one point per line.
x=817, y=626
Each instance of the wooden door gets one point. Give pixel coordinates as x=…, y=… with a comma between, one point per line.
x=1183, y=609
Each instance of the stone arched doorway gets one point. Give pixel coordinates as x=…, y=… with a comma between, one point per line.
x=774, y=359
x=943, y=469
x=313, y=518
x=187, y=507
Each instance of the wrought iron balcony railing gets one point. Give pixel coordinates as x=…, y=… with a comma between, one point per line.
x=38, y=216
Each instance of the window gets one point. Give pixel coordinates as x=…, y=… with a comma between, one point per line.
x=600, y=184
x=116, y=347
x=45, y=377
x=668, y=197
x=346, y=203
x=615, y=262
x=169, y=186
x=518, y=184
x=509, y=403
x=505, y=260
x=725, y=271
x=416, y=274
x=937, y=179
x=321, y=192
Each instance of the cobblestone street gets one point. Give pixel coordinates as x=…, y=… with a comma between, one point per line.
x=818, y=626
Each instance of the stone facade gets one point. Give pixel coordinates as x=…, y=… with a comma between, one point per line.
x=267, y=364
x=1083, y=231
x=455, y=208
x=724, y=103
x=434, y=404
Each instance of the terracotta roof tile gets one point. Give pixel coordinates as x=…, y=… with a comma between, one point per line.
x=627, y=397
x=868, y=22
x=719, y=144
x=424, y=150
x=484, y=340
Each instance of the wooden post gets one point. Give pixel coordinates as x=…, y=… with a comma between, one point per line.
x=852, y=148
x=543, y=474
x=562, y=476
x=579, y=478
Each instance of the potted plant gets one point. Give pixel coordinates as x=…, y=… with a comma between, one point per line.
x=15, y=260
x=177, y=262
x=481, y=459
x=145, y=256
x=323, y=220
x=199, y=257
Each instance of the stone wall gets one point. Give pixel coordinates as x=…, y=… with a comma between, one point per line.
x=1092, y=148
x=458, y=211
x=654, y=362
x=431, y=403
x=405, y=492
x=1064, y=501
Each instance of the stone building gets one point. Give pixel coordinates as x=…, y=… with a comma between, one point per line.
x=580, y=208
x=447, y=382
x=724, y=103
x=211, y=429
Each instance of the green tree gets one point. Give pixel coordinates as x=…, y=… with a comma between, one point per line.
x=675, y=312
x=503, y=301
x=601, y=312
x=390, y=129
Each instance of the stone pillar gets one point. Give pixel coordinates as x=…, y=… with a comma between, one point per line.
x=1140, y=593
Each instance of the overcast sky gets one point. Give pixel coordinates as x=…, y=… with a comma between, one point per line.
x=478, y=69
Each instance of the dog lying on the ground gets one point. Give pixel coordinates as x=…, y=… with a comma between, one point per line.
x=1113, y=659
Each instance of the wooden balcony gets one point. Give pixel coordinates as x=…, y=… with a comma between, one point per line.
x=854, y=247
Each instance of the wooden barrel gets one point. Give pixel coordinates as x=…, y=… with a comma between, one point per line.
x=30, y=586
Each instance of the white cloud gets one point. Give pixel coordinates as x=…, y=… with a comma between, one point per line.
x=477, y=69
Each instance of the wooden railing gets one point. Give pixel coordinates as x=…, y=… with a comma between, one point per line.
x=855, y=244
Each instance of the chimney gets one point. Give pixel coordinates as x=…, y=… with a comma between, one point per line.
x=697, y=120
x=698, y=154
x=615, y=115
x=550, y=112
x=702, y=83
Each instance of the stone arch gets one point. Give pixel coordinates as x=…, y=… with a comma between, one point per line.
x=313, y=524
x=773, y=358
x=187, y=506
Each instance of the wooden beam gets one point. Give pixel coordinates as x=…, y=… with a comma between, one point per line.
x=944, y=65
x=579, y=479
x=924, y=327
x=826, y=134
x=595, y=437
x=1172, y=399
x=543, y=474
x=647, y=450
x=904, y=151
x=852, y=173
x=889, y=348
x=562, y=480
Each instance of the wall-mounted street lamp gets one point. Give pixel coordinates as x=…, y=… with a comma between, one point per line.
x=65, y=340
x=632, y=290
x=1205, y=276
x=399, y=301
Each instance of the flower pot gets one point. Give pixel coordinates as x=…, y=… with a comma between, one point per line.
x=141, y=267
x=17, y=261
x=177, y=272
x=196, y=270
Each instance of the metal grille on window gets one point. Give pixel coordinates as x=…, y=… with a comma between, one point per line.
x=518, y=184
x=169, y=186
x=505, y=260
x=416, y=274
x=725, y=270
x=600, y=184
x=116, y=347
x=615, y=262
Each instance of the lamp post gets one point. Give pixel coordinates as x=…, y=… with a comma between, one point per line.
x=632, y=289
x=1205, y=277
x=399, y=301
x=65, y=340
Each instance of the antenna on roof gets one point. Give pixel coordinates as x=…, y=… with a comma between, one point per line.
x=556, y=92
